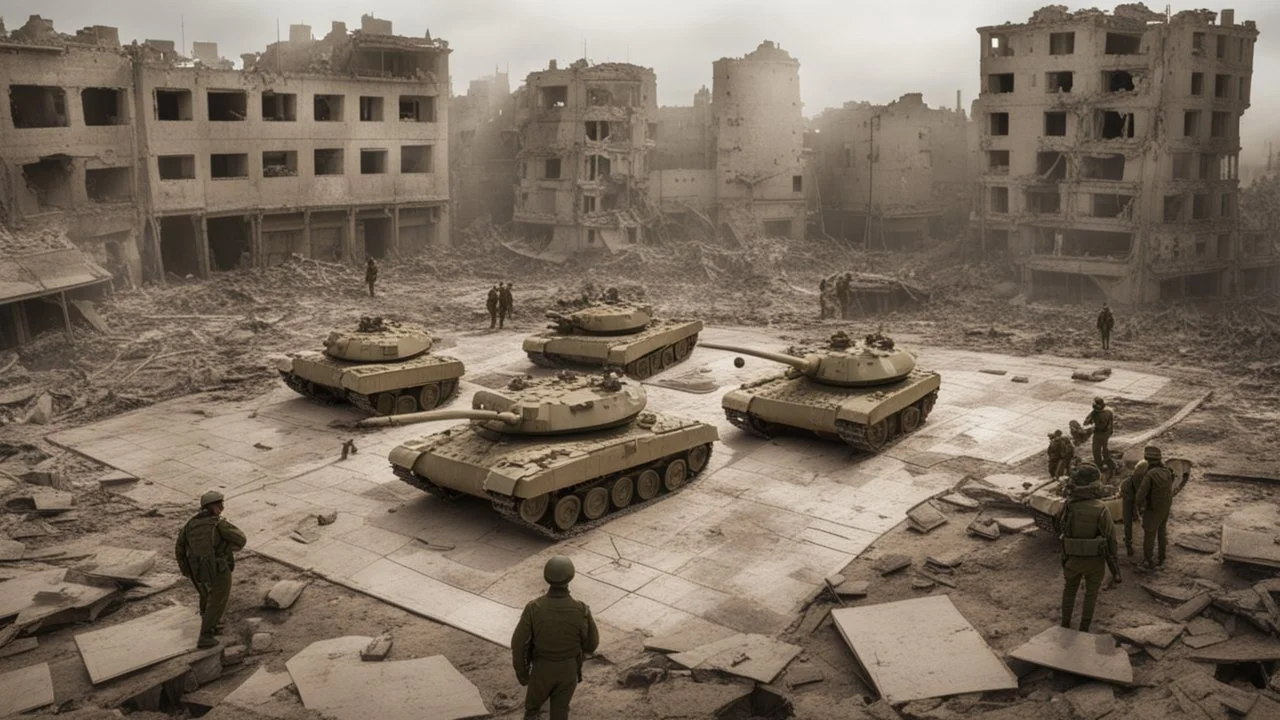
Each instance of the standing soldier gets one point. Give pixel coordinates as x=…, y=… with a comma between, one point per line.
x=843, y=294
x=1088, y=543
x=1106, y=321
x=1154, y=499
x=553, y=636
x=1128, y=494
x=1061, y=453
x=1103, y=422
x=370, y=274
x=491, y=304
x=506, y=302
x=206, y=555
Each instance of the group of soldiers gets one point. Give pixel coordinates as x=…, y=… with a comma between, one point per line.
x=1087, y=530
x=836, y=296
x=500, y=304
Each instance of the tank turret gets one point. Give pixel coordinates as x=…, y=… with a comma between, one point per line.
x=844, y=362
x=377, y=340
x=617, y=318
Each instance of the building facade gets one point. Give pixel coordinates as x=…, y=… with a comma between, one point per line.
x=1108, y=147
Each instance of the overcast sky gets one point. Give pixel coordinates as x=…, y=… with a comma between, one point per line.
x=848, y=49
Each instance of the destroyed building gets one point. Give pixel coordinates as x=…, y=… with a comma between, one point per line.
x=1109, y=148
x=482, y=151
x=889, y=174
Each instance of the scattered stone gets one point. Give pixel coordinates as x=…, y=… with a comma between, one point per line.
x=116, y=479
x=985, y=529
x=1160, y=635
x=1020, y=379
x=378, y=650
x=1094, y=375
x=284, y=594
x=804, y=675
x=18, y=646
x=234, y=654
x=1093, y=656
x=925, y=518
x=946, y=559
x=853, y=588
x=49, y=502
x=1091, y=700
x=1015, y=524
x=123, y=648
x=42, y=413
x=262, y=446
x=152, y=584
x=25, y=689
x=260, y=643
x=11, y=550
x=1250, y=548
x=327, y=518
x=1190, y=608
x=1197, y=543
x=989, y=371
x=961, y=501
x=892, y=563
x=936, y=578
x=1169, y=593
x=920, y=583
x=1202, y=641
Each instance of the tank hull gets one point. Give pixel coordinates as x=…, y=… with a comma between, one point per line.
x=660, y=345
x=868, y=418
x=378, y=388
x=1047, y=502
x=508, y=470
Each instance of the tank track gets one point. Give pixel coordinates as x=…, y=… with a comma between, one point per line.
x=742, y=421
x=505, y=505
x=852, y=434
x=327, y=396
x=633, y=369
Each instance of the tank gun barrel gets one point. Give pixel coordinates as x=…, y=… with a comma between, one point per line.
x=804, y=365
x=429, y=415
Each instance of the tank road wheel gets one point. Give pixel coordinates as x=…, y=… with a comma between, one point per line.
x=429, y=396
x=641, y=368
x=763, y=428
x=532, y=509
x=675, y=475
x=622, y=490
x=648, y=484
x=566, y=512
x=595, y=503
x=447, y=389
x=926, y=405
x=384, y=403
x=909, y=420
x=406, y=404
x=877, y=435
x=668, y=356
x=681, y=349
x=697, y=459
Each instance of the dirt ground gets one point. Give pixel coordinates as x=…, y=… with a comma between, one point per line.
x=215, y=336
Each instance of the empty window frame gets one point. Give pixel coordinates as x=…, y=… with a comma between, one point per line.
x=1059, y=82
x=1055, y=124
x=1000, y=83
x=797, y=183
x=598, y=130
x=327, y=108
x=1123, y=44
x=588, y=203
x=1220, y=125
x=1062, y=43
x=279, y=107
x=328, y=161
x=38, y=106
x=1221, y=41
x=1245, y=86
x=1102, y=167
x=1109, y=205
x=1226, y=205
x=1191, y=123
x=598, y=167
x=551, y=169
x=1222, y=86
x=1181, y=162
x=228, y=165
x=998, y=162
x=1042, y=201
x=228, y=105
x=104, y=106
x=1113, y=124
x=49, y=180
x=417, y=108
x=553, y=96
x=1173, y=208
x=999, y=199
x=1200, y=209
x=176, y=167
x=416, y=159
x=370, y=108
x=998, y=46
x=1210, y=167
x=173, y=105
x=1197, y=83
x=999, y=123
x=279, y=163
x=599, y=97
x=1051, y=166
x=1197, y=42
x=1117, y=81
x=373, y=161
x=107, y=185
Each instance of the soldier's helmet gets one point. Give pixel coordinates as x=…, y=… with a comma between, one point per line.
x=1055, y=433
x=209, y=498
x=1151, y=452
x=558, y=571
x=1099, y=402
x=1086, y=474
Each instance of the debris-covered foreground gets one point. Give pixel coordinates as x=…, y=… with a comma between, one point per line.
x=82, y=565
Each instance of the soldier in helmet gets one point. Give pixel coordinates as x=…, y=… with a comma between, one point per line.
x=1154, y=499
x=553, y=636
x=206, y=555
x=1088, y=542
x=1129, y=492
x=506, y=303
x=370, y=274
x=1061, y=453
x=1103, y=422
x=491, y=304
x=1106, y=321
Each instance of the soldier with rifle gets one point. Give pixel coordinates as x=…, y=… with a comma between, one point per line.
x=1088, y=543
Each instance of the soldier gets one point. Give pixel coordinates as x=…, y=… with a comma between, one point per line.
x=1103, y=422
x=1154, y=499
x=1128, y=493
x=1061, y=453
x=1088, y=542
x=206, y=555
x=505, y=302
x=370, y=274
x=550, y=642
x=491, y=304
x=824, y=301
x=1106, y=321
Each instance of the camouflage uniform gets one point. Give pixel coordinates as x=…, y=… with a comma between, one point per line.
x=1106, y=321
x=1103, y=422
x=548, y=647
x=1088, y=541
x=1155, y=499
x=1129, y=491
x=205, y=551
x=371, y=274
x=505, y=302
x=491, y=304
x=844, y=294
x=1061, y=453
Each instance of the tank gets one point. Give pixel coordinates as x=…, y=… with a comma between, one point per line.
x=557, y=455
x=616, y=333
x=868, y=394
x=381, y=367
x=1046, y=501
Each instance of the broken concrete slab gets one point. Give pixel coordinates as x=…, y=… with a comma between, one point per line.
x=1170, y=593
x=31, y=528
x=1197, y=543
x=946, y=558
x=1213, y=696
x=152, y=584
x=1204, y=626
x=1086, y=654
x=1091, y=700
x=1020, y=379
x=113, y=563
x=256, y=692
x=702, y=634
x=682, y=697
x=49, y=502
x=11, y=550
x=120, y=649
x=1222, y=476
x=18, y=646
x=1160, y=635
x=284, y=594
x=39, y=596
x=892, y=563
x=1250, y=548
x=1196, y=642
x=921, y=648
x=751, y=656
x=116, y=479
x=985, y=529
x=332, y=680
x=804, y=675
x=1091, y=374
x=925, y=518
x=261, y=642
x=1242, y=648
x=1191, y=608
x=378, y=650
x=963, y=502
x=852, y=588
x=25, y=689
x=1015, y=524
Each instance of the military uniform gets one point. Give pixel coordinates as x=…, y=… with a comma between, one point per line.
x=205, y=551
x=1106, y=321
x=505, y=303
x=1128, y=492
x=1103, y=422
x=491, y=304
x=550, y=642
x=1154, y=500
x=1061, y=453
x=371, y=274
x=1088, y=543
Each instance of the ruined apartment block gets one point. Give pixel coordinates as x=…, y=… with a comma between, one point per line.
x=1109, y=148
x=483, y=141
x=888, y=175
x=584, y=136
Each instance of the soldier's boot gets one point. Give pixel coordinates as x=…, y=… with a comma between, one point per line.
x=206, y=641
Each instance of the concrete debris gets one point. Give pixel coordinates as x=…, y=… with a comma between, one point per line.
x=1161, y=636
x=29, y=529
x=800, y=675
x=120, y=649
x=11, y=550
x=925, y=518
x=946, y=559
x=1248, y=547
x=50, y=502
x=1242, y=648
x=152, y=584
x=1215, y=697
x=378, y=650
x=1202, y=641
x=116, y=479
x=327, y=518
x=1014, y=524
x=921, y=583
x=1020, y=379
x=985, y=529
x=1092, y=375
x=1091, y=700
x=114, y=564
x=25, y=689
x=993, y=372
x=284, y=594
x=852, y=588
x=42, y=413
x=261, y=642
x=18, y=646
x=1241, y=477
x=1197, y=543
x=1092, y=656
x=892, y=563
x=1191, y=608
x=681, y=642
x=234, y=654
x=1170, y=593
x=751, y=656
x=684, y=697
x=960, y=501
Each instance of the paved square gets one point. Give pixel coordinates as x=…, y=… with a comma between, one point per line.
x=741, y=548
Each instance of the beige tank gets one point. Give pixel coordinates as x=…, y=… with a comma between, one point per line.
x=557, y=455
x=1046, y=501
x=868, y=394
x=382, y=367
x=614, y=333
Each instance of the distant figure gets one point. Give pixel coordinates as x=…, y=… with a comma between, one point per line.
x=824, y=299
x=370, y=274
x=1061, y=453
x=1129, y=494
x=1088, y=543
x=505, y=303
x=1154, y=499
x=1106, y=321
x=491, y=304
x=844, y=294
x=551, y=641
x=205, y=552
x=1104, y=423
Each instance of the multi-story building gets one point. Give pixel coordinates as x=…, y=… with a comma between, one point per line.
x=482, y=151
x=584, y=136
x=1109, y=149
x=889, y=174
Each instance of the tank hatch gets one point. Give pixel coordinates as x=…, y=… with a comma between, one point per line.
x=377, y=340
x=564, y=403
